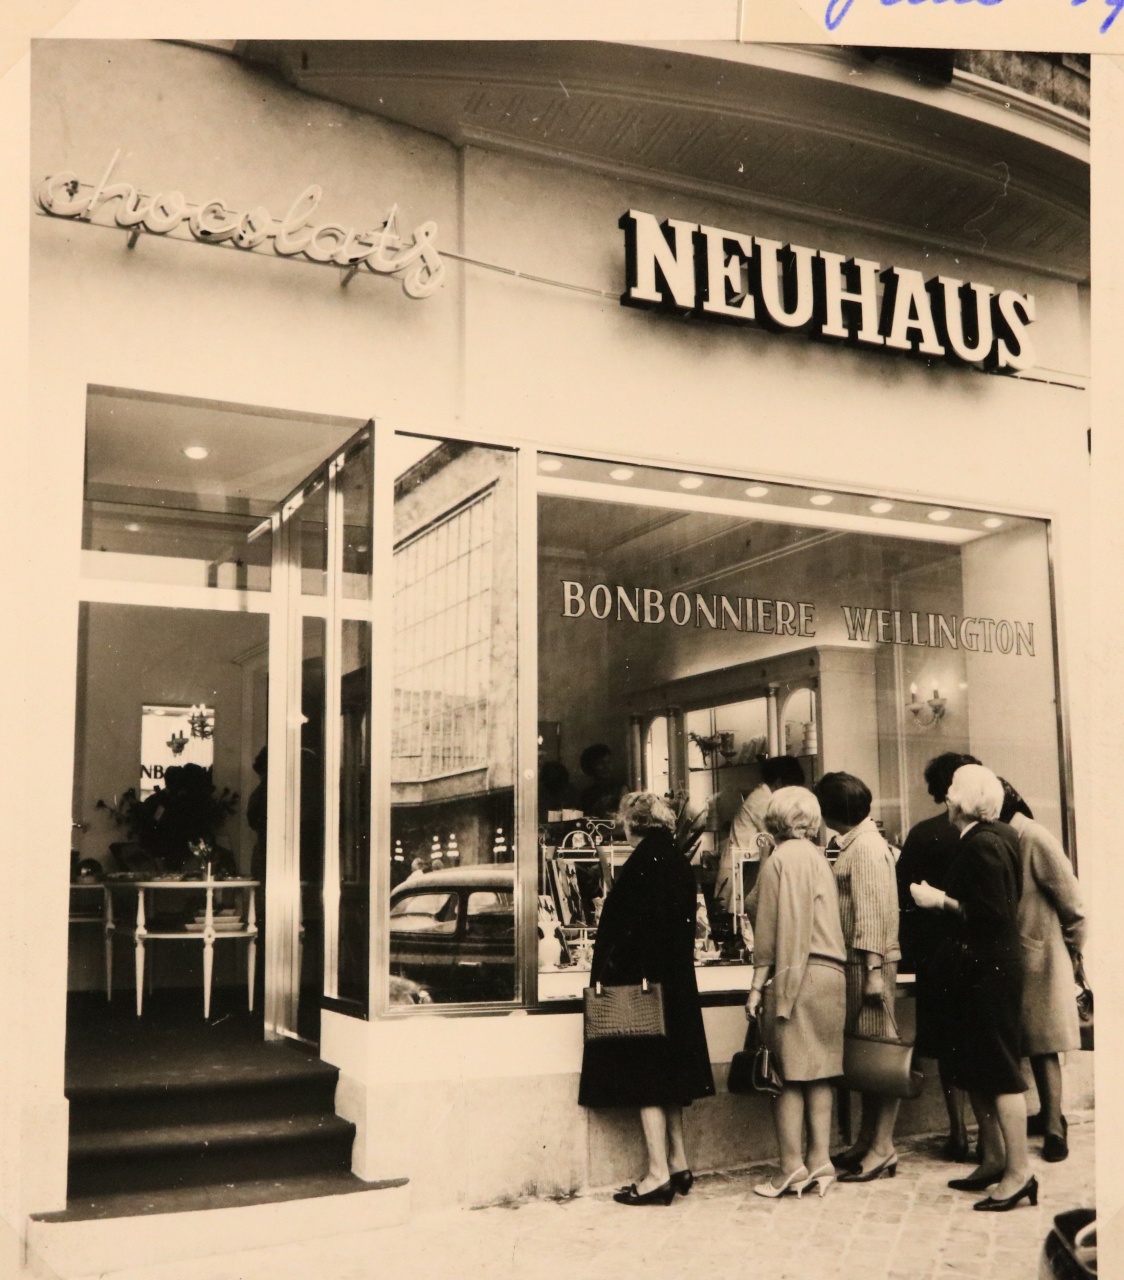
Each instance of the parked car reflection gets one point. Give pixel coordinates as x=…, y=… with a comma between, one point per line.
x=453, y=932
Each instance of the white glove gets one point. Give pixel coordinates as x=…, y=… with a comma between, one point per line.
x=926, y=896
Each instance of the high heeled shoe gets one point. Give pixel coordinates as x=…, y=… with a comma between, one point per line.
x=821, y=1179
x=772, y=1191
x=992, y=1204
x=683, y=1181
x=887, y=1169
x=845, y=1161
x=663, y=1194
x=979, y=1182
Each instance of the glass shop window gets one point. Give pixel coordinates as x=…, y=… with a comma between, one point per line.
x=693, y=626
x=453, y=717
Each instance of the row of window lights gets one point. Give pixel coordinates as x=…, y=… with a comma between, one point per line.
x=623, y=474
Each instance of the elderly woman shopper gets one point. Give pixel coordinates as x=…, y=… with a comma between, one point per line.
x=868, y=912
x=1052, y=933
x=647, y=931
x=980, y=968
x=798, y=974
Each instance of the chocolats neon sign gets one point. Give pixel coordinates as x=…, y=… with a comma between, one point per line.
x=731, y=276
x=413, y=258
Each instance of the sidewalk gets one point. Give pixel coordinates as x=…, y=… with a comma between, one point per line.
x=909, y=1228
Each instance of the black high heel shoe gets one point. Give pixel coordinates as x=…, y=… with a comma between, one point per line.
x=992, y=1205
x=887, y=1169
x=980, y=1182
x=682, y=1181
x=664, y=1194
x=848, y=1161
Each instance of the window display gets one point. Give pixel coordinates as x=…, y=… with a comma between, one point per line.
x=711, y=639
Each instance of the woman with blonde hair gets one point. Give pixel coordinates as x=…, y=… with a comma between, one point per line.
x=647, y=931
x=798, y=981
x=979, y=965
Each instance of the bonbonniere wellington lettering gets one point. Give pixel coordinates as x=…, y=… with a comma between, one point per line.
x=652, y=607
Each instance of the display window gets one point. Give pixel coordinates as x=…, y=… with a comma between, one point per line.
x=696, y=628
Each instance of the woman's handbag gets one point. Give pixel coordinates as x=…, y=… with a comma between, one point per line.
x=1084, y=1002
x=880, y=1065
x=630, y=1012
x=754, y=1068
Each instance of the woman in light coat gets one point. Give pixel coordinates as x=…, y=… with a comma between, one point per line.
x=1052, y=933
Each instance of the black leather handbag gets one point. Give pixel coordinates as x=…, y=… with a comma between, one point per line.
x=880, y=1065
x=754, y=1068
x=632, y=1011
x=1084, y=1002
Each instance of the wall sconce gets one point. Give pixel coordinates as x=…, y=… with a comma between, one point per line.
x=928, y=713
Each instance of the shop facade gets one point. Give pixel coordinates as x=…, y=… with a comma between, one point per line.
x=817, y=489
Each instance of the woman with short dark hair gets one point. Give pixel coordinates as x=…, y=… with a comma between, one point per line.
x=647, y=931
x=868, y=912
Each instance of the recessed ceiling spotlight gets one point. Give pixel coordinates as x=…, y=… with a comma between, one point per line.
x=992, y=522
x=756, y=491
x=691, y=482
x=621, y=473
x=196, y=452
x=821, y=499
x=939, y=515
x=133, y=527
x=550, y=464
x=880, y=508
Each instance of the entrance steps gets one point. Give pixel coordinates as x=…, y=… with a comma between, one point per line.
x=129, y=1232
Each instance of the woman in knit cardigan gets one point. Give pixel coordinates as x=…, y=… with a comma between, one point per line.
x=799, y=952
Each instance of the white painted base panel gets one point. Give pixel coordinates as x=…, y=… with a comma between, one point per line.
x=98, y=1248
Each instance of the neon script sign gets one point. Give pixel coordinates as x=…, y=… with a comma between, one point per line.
x=412, y=258
x=738, y=278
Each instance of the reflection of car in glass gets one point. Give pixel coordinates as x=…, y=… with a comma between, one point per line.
x=453, y=931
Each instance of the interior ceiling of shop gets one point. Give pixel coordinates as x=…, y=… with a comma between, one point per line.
x=695, y=550
x=256, y=457
x=809, y=143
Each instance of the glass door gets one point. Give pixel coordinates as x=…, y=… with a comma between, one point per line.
x=318, y=848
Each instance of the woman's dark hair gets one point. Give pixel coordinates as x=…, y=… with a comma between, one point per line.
x=782, y=771
x=1012, y=803
x=843, y=798
x=939, y=771
x=592, y=756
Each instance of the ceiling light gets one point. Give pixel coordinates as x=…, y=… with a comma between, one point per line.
x=132, y=528
x=939, y=515
x=550, y=464
x=992, y=522
x=880, y=508
x=621, y=473
x=821, y=499
x=691, y=482
x=756, y=491
x=196, y=452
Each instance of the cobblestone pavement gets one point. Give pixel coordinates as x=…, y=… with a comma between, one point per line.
x=911, y=1227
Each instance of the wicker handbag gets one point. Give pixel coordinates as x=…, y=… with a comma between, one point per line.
x=629, y=1012
x=880, y=1064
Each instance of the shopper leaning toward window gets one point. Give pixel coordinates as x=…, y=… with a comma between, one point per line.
x=798, y=973
x=647, y=931
x=868, y=912
x=1052, y=933
x=979, y=967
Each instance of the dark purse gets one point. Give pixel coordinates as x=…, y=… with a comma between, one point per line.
x=1084, y=1001
x=880, y=1065
x=631, y=1011
x=754, y=1068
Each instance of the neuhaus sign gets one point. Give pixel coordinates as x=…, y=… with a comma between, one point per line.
x=738, y=278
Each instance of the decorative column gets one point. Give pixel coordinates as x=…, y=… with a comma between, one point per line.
x=636, y=769
x=772, y=730
x=676, y=750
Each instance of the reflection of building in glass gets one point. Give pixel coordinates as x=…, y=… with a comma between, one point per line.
x=453, y=728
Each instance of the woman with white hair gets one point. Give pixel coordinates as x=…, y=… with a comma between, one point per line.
x=799, y=955
x=979, y=965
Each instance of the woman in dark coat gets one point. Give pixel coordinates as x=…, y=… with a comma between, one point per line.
x=980, y=968
x=647, y=930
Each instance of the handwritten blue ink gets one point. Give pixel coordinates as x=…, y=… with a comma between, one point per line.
x=1115, y=5
x=837, y=11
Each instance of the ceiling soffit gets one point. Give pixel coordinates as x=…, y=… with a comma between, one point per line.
x=811, y=148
